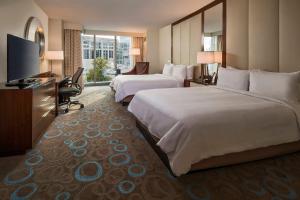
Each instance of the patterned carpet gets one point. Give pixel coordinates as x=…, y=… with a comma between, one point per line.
x=97, y=153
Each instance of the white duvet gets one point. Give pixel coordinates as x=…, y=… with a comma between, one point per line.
x=201, y=122
x=126, y=85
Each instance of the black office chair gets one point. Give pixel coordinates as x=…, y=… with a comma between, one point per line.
x=70, y=88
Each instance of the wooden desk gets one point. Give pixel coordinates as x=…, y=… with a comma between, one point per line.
x=58, y=81
x=25, y=114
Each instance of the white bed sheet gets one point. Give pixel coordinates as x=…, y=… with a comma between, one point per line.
x=201, y=122
x=126, y=85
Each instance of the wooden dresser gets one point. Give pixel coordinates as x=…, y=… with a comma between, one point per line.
x=25, y=114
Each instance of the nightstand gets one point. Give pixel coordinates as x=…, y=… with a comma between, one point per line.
x=196, y=84
x=199, y=83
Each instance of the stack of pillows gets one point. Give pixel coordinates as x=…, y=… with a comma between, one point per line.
x=180, y=72
x=281, y=86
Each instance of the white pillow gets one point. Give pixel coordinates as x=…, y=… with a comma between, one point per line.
x=179, y=72
x=189, y=72
x=233, y=79
x=282, y=86
x=168, y=68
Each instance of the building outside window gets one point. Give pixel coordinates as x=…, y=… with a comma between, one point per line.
x=113, y=49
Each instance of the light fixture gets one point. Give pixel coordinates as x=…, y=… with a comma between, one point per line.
x=205, y=57
x=218, y=56
x=134, y=51
x=54, y=55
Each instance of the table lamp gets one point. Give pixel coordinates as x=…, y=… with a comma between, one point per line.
x=54, y=55
x=204, y=58
x=134, y=52
x=218, y=57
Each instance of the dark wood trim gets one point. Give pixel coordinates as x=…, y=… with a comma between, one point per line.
x=202, y=31
x=224, y=37
x=163, y=157
x=172, y=44
x=214, y=3
x=201, y=11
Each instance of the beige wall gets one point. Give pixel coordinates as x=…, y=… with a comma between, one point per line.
x=187, y=41
x=153, y=50
x=261, y=34
x=56, y=42
x=164, y=45
x=237, y=33
x=176, y=44
x=195, y=38
x=14, y=15
x=289, y=33
x=264, y=34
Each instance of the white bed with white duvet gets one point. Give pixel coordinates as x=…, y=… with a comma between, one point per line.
x=126, y=85
x=173, y=76
x=193, y=124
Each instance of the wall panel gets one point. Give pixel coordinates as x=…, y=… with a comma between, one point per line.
x=237, y=33
x=289, y=29
x=185, y=42
x=195, y=38
x=176, y=44
x=264, y=34
x=164, y=45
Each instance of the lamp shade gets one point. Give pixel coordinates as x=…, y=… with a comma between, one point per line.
x=135, y=51
x=205, y=57
x=54, y=55
x=218, y=56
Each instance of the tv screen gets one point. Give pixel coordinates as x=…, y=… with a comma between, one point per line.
x=22, y=58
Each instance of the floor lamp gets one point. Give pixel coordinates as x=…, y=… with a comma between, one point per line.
x=54, y=55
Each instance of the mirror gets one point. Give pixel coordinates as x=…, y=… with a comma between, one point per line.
x=213, y=28
x=34, y=31
x=212, y=41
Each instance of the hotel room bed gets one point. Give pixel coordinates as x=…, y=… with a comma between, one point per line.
x=198, y=128
x=125, y=86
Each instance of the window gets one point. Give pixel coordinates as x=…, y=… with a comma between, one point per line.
x=113, y=49
x=123, y=59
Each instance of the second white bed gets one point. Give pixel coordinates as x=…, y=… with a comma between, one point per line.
x=197, y=123
x=126, y=85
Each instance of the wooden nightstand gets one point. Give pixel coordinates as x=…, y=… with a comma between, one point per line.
x=196, y=84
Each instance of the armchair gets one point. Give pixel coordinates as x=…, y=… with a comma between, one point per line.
x=139, y=68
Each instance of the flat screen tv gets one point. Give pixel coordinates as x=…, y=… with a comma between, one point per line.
x=22, y=59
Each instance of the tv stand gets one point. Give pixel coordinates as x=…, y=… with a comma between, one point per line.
x=23, y=83
x=25, y=114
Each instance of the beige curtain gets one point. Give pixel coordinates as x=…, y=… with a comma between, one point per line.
x=138, y=42
x=73, y=57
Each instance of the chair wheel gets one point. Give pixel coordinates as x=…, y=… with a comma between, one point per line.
x=66, y=110
x=81, y=106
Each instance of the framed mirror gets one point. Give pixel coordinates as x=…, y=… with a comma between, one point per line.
x=213, y=29
x=213, y=40
x=34, y=31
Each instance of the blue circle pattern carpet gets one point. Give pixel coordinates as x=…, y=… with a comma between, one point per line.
x=98, y=153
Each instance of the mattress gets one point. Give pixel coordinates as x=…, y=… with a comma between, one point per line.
x=193, y=124
x=126, y=85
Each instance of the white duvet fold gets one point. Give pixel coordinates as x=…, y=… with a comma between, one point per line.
x=198, y=123
x=126, y=85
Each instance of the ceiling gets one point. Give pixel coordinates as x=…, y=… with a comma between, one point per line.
x=120, y=15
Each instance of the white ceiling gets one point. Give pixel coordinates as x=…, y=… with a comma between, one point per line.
x=120, y=15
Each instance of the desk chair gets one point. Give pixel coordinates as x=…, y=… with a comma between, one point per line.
x=139, y=68
x=70, y=88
